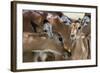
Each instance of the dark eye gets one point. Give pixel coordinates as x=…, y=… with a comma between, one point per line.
x=45, y=30
x=60, y=39
x=79, y=28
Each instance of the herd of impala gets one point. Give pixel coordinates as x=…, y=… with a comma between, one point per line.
x=53, y=36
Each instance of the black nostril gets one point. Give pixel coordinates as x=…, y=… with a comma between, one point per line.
x=72, y=35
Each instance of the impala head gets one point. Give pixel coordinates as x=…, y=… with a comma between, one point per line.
x=64, y=33
x=75, y=30
x=53, y=19
x=61, y=29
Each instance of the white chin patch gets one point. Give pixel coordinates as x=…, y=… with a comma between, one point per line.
x=72, y=38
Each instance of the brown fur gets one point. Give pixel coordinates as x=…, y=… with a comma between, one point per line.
x=30, y=19
x=33, y=42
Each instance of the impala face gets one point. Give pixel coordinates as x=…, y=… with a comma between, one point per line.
x=75, y=30
x=60, y=28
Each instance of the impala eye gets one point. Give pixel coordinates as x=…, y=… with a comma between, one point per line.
x=45, y=30
x=60, y=39
x=79, y=28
